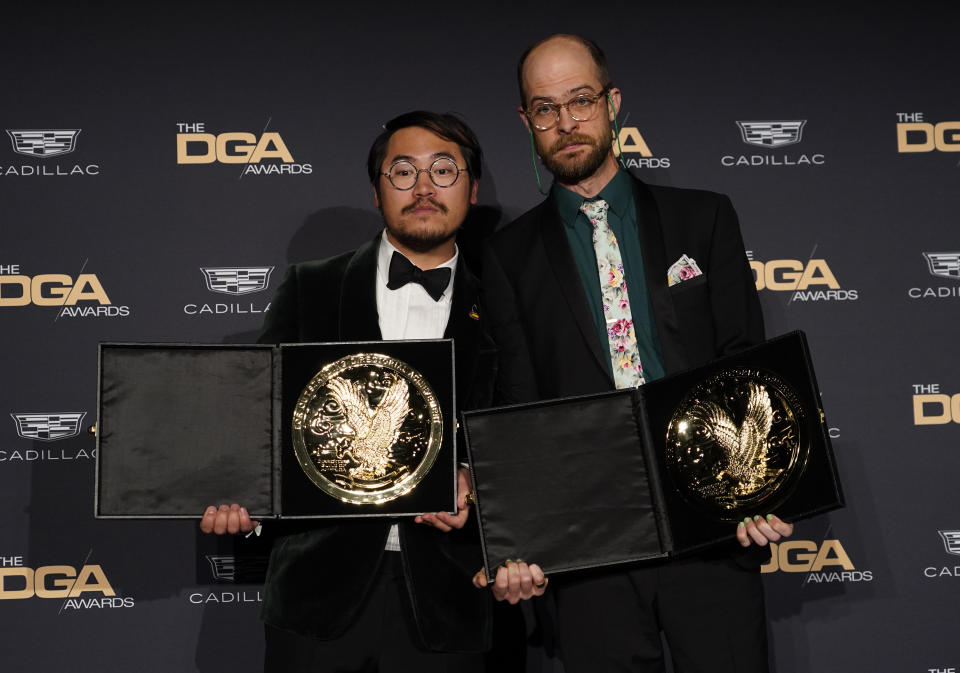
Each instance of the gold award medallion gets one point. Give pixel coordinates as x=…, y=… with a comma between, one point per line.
x=367, y=428
x=736, y=442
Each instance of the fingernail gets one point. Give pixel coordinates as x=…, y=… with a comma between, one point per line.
x=769, y=517
x=244, y=510
x=746, y=520
x=740, y=525
x=211, y=509
x=756, y=517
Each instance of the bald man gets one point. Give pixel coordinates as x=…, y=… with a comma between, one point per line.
x=611, y=283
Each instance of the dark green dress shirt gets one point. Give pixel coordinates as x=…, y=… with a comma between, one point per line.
x=622, y=218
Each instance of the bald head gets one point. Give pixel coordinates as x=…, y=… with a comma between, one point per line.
x=557, y=56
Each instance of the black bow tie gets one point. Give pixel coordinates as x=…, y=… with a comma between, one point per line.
x=402, y=271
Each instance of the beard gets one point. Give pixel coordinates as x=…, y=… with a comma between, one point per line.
x=419, y=238
x=422, y=241
x=571, y=172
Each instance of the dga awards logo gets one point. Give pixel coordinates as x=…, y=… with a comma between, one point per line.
x=933, y=407
x=83, y=296
x=916, y=135
x=45, y=144
x=633, y=151
x=826, y=562
x=941, y=265
x=47, y=428
x=951, y=545
x=808, y=280
x=78, y=588
x=263, y=154
x=772, y=136
x=236, y=281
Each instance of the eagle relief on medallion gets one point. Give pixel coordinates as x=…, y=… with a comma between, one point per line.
x=367, y=428
x=736, y=442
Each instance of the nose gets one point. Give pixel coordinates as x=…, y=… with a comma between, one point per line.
x=566, y=123
x=424, y=185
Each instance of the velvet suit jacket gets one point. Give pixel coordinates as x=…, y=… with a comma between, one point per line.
x=539, y=316
x=319, y=573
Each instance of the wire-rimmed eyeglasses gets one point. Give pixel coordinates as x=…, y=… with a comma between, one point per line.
x=582, y=108
x=443, y=172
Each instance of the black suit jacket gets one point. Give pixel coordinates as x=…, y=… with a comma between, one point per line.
x=538, y=308
x=319, y=573
x=541, y=321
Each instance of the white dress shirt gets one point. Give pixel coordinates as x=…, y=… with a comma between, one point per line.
x=410, y=313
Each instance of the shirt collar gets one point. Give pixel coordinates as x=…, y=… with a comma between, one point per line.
x=617, y=193
x=386, y=250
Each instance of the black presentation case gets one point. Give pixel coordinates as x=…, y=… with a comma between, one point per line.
x=184, y=426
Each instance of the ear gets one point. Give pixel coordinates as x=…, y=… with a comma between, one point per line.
x=523, y=117
x=376, y=199
x=613, y=102
x=473, y=192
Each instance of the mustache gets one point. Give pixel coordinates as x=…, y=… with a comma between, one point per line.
x=422, y=202
x=576, y=138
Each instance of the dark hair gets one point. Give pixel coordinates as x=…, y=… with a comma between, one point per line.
x=448, y=126
x=596, y=53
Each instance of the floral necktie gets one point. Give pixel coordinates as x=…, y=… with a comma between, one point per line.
x=624, y=355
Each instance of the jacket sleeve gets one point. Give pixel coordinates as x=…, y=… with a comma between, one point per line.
x=516, y=381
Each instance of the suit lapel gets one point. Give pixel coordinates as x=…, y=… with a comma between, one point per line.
x=465, y=291
x=463, y=328
x=655, y=266
x=359, y=320
x=561, y=259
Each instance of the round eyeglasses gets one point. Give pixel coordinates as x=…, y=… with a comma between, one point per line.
x=443, y=172
x=582, y=108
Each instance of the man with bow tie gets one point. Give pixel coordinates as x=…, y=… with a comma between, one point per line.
x=610, y=283
x=371, y=595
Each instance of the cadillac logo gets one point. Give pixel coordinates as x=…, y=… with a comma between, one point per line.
x=771, y=133
x=237, y=280
x=43, y=144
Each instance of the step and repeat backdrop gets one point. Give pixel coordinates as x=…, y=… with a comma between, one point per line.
x=162, y=163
